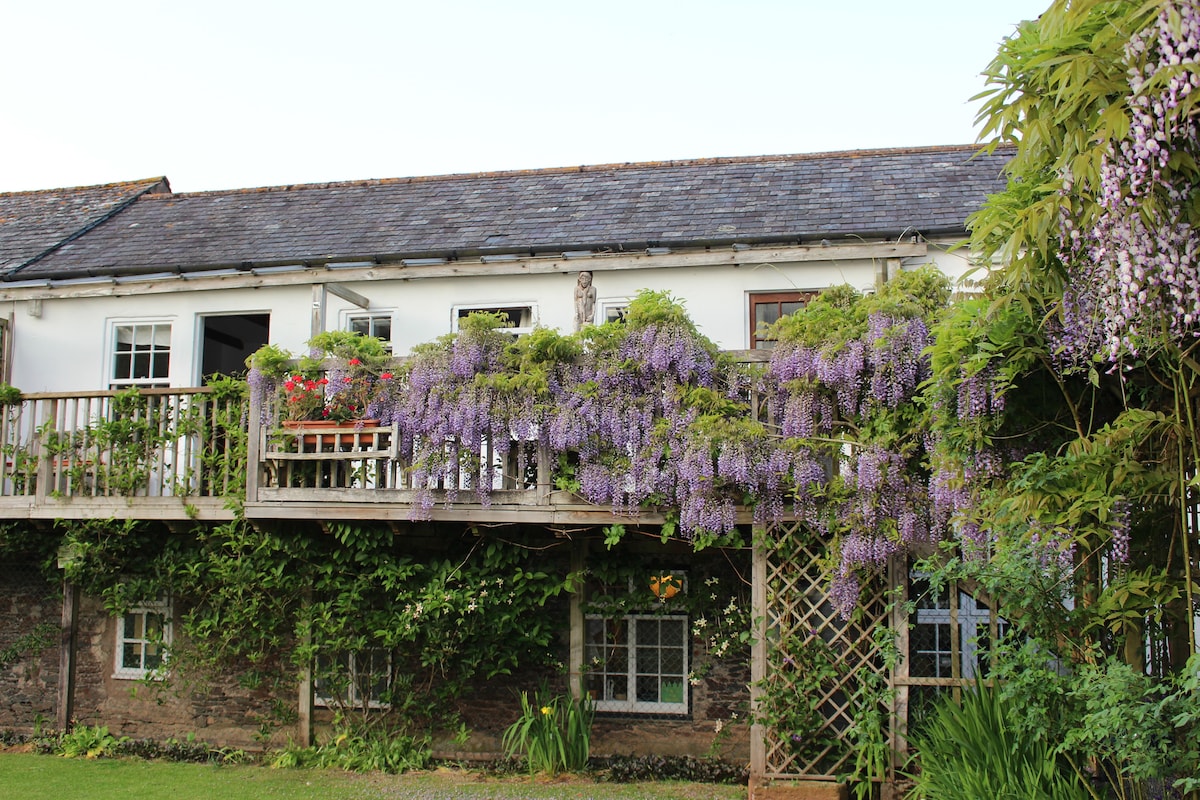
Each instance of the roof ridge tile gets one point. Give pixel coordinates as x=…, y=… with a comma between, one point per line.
x=366, y=183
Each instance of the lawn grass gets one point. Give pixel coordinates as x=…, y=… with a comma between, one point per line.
x=40, y=777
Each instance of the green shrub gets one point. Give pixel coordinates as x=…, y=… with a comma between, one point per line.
x=637, y=769
x=88, y=742
x=365, y=750
x=553, y=733
x=188, y=750
x=9, y=395
x=972, y=751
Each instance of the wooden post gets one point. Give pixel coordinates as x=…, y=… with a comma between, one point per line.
x=576, y=666
x=885, y=270
x=544, y=470
x=319, y=295
x=758, y=655
x=898, y=733
x=45, y=472
x=66, y=656
x=304, y=706
x=255, y=449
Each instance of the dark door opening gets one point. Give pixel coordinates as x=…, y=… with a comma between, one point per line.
x=229, y=339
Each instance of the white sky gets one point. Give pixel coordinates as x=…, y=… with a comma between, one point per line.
x=217, y=94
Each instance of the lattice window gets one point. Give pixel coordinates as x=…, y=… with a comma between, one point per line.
x=638, y=662
x=947, y=637
x=361, y=679
x=375, y=324
x=141, y=354
x=768, y=308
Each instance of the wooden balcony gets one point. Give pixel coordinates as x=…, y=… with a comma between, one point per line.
x=179, y=454
x=175, y=454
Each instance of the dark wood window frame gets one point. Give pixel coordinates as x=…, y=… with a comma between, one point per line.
x=761, y=308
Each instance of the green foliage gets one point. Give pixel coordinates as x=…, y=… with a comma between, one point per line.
x=633, y=769
x=791, y=707
x=831, y=318
x=1105, y=718
x=271, y=360
x=361, y=749
x=347, y=345
x=552, y=733
x=188, y=750
x=34, y=643
x=88, y=742
x=1061, y=94
x=1059, y=89
x=658, y=308
x=974, y=750
x=1135, y=729
x=869, y=732
x=9, y=395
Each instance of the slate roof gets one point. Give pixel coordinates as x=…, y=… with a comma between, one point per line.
x=883, y=193
x=34, y=223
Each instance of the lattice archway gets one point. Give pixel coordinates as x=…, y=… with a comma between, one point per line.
x=809, y=664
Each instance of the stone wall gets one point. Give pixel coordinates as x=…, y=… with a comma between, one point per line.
x=718, y=724
x=214, y=708
x=28, y=677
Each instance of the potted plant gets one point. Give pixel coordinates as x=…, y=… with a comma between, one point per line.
x=336, y=381
x=352, y=379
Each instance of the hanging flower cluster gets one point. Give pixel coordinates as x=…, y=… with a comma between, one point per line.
x=843, y=381
x=636, y=414
x=454, y=403
x=1132, y=276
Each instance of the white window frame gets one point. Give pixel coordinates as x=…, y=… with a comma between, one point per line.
x=955, y=607
x=115, y=326
x=456, y=311
x=161, y=608
x=606, y=304
x=348, y=317
x=631, y=704
x=353, y=699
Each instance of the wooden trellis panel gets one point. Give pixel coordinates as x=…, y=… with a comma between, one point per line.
x=794, y=568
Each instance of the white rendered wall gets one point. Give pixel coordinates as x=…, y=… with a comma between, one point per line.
x=68, y=347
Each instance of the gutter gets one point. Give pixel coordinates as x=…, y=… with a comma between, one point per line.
x=568, y=251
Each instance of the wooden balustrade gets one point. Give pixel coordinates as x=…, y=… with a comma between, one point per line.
x=154, y=452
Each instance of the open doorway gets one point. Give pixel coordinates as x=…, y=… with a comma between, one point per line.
x=228, y=339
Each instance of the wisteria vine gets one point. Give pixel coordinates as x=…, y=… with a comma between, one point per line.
x=648, y=413
x=1131, y=272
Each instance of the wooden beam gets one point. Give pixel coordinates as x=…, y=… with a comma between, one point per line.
x=274, y=504
x=898, y=730
x=472, y=267
x=319, y=295
x=147, y=508
x=575, y=665
x=349, y=295
x=304, y=705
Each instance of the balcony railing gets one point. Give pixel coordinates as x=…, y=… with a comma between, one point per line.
x=164, y=452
